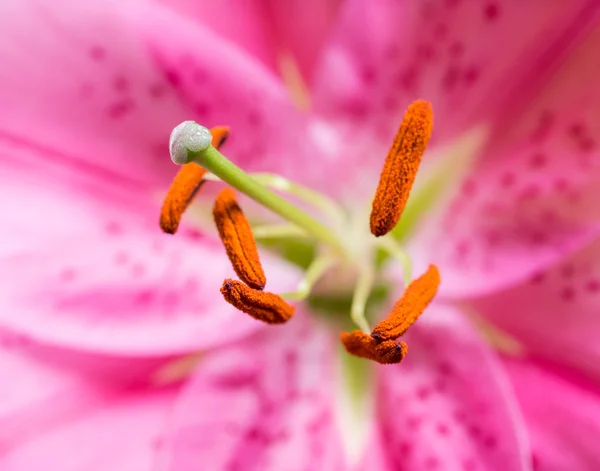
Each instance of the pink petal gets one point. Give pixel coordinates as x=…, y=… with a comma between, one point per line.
x=88, y=267
x=531, y=199
x=44, y=200
x=448, y=405
x=244, y=23
x=81, y=78
x=263, y=28
x=565, y=110
x=50, y=413
x=562, y=413
x=304, y=37
x=77, y=79
x=225, y=86
x=264, y=405
x=121, y=434
x=473, y=60
x=554, y=313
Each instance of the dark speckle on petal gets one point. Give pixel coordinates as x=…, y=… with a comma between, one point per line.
x=157, y=90
x=121, y=83
x=121, y=258
x=567, y=293
x=114, y=228
x=508, y=179
x=120, y=109
x=538, y=160
x=173, y=78
x=491, y=11
x=67, y=275
x=97, y=53
x=471, y=75
x=593, y=286
x=457, y=49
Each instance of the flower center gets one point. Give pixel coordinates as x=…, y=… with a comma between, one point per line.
x=340, y=248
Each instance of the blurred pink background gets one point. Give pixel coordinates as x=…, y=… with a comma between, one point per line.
x=117, y=351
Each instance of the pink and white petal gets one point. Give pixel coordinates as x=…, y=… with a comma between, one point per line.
x=449, y=404
x=304, y=38
x=50, y=413
x=44, y=200
x=562, y=412
x=87, y=267
x=78, y=80
x=263, y=27
x=126, y=290
x=121, y=434
x=512, y=217
x=103, y=83
x=242, y=22
x=28, y=384
x=555, y=313
x=472, y=60
x=565, y=111
x=223, y=85
x=266, y=404
x=531, y=197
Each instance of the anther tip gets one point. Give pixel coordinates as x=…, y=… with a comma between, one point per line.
x=186, y=137
x=226, y=285
x=167, y=227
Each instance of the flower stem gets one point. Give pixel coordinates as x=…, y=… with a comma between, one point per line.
x=393, y=249
x=215, y=162
x=275, y=231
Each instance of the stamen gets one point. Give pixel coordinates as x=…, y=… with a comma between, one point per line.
x=266, y=307
x=236, y=234
x=219, y=135
x=409, y=307
x=313, y=273
x=390, y=245
x=400, y=168
x=319, y=201
x=362, y=290
x=185, y=186
x=278, y=231
x=216, y=163
x=360, y=344
x=323, y=203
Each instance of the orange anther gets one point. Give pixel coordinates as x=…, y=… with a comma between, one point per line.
x=267, y=307
x=236, y=234
x=400, y=168
x=185, y=186
x=409, y=307
x=363, y=345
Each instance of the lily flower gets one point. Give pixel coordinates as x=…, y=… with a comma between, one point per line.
x=106, y=309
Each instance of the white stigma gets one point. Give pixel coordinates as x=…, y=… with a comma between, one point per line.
x=188, y=136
